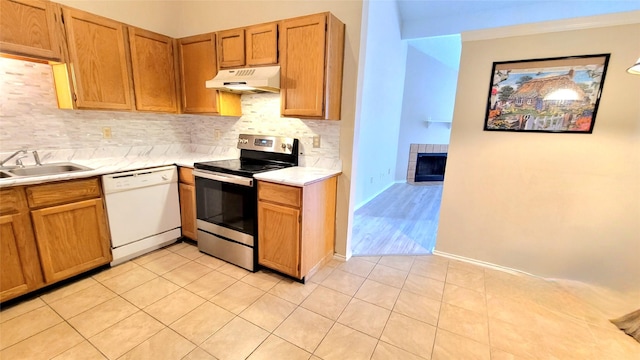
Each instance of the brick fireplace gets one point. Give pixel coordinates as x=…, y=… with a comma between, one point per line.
x=416, y=149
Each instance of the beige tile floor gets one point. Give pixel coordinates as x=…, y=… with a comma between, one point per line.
x=177, y=303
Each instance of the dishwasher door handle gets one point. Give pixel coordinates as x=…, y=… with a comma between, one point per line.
x=225, y=178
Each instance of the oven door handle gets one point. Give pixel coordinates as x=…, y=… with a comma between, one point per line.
x=226, y=178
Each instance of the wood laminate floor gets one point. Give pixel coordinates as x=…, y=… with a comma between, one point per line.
x=401, y=220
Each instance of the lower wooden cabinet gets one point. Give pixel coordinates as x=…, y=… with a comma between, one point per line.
x=20, y=271
x=50, y=232
x=279, y=242
x=187, y=191
x=296, y=226
x=72, y=238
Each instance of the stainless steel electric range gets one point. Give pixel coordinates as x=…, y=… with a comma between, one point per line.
x=226, y=197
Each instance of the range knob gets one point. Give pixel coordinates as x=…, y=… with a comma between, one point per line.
x=289, y=147
x=284, y=146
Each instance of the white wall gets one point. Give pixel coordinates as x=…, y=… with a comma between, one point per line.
x=381, y=101
x=555, y=205
x=429, y=94
x=160, y=16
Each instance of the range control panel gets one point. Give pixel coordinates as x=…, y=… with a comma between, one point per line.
x=277, y=144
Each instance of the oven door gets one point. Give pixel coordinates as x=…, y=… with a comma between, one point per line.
x=226, y=205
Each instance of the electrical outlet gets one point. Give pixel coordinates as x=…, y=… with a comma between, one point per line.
x=106, y=133
x=216, y=134
x=316, y=141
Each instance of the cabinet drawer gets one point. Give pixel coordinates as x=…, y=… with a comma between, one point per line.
x=186, y=175
x=12, y=200
x=62, y=192
x=281, y=194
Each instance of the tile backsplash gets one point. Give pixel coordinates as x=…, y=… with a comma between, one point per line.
x=30, y=119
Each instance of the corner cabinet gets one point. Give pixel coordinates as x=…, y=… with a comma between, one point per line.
x=153, y=65
x=197, y=59
x=70, y=227
x=296, y=226
x=98, y=63
x=20, y=271
x=311, y=59
x=31, y=28
x=187, y=191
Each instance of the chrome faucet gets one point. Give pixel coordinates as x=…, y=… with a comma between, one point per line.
x=19, y=160
x=36, y=157
x=23, y=151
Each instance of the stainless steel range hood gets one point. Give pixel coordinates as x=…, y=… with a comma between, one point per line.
x=247, y=80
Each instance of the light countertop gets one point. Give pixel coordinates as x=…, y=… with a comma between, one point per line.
x=112, y=165
x=297, y=176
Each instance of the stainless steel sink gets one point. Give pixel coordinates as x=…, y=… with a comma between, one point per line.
x=45, y=169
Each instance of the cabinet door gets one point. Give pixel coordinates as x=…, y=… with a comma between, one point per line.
x=98, y=61
x=30, y=28
x=188, y=210
x=153, y=66
x=262, y=44
x=197, y=65
x=71, y=238
x=279, y=238
x=231, y=48
x=302, y=55
x=20, y=271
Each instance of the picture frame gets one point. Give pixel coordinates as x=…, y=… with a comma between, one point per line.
x=556, y=95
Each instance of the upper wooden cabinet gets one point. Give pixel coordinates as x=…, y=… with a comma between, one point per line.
x=98, y=61
x=104, y=64
x=231, y=48
x=31, y=28
x=250, y=46
x=197, y=59
x=311, y=58
x=153, y=65
x=261, y=44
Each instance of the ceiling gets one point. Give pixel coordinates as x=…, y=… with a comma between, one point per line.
x=435, y=9
x=427, y=18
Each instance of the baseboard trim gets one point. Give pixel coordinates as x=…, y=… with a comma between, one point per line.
x=482, y=263
x=339, y=257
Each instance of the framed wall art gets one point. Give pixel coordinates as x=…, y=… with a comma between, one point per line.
x=559, y=95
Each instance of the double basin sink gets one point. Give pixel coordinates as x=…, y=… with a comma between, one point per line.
x=40, y=170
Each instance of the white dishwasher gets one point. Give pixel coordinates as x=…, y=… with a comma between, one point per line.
x=143, y=209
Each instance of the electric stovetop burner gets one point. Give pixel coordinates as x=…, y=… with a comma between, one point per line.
x=258, y=153
x=242, y=167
